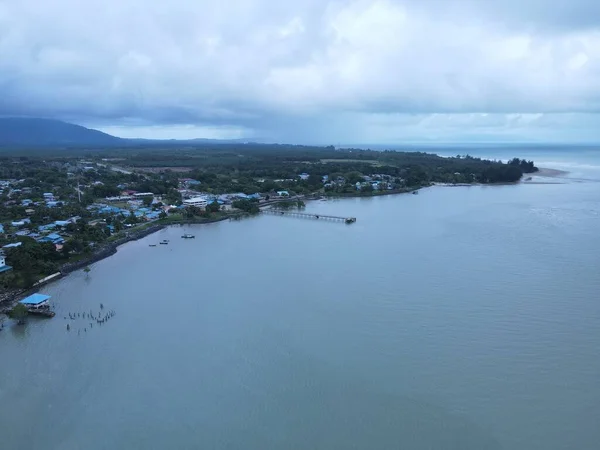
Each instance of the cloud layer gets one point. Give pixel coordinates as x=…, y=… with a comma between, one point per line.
x=309, y=70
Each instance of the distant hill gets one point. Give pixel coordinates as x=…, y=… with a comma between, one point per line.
x=30, y=133
x=25, y=132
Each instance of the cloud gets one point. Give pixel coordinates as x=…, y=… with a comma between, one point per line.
x=304, y=71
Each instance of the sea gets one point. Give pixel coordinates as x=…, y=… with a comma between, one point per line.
x=462, y=318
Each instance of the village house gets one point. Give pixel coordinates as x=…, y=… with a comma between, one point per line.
x=13, y=245
x=3, y=266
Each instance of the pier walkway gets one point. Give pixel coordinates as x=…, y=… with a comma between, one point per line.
x=302, y=215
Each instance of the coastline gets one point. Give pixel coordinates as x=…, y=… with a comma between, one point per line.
x=10, y=297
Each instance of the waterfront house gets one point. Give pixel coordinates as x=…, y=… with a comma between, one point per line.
x=36, y=301
x=283, y=194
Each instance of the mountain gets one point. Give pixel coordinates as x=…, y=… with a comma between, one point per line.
x=25, y=132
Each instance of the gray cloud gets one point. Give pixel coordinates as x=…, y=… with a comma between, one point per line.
x=309, y=70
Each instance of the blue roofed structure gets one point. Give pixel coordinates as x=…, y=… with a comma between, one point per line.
x=36, y=301
x=13, y=245
x=53, y=238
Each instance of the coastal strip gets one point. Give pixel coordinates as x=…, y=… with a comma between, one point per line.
x=10, y=297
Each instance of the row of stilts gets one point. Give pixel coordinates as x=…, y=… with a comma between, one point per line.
x=100, y=318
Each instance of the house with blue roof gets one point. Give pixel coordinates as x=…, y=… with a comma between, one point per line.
x=36, y=301
x=47, y=227
x=1, y=228
x=53, y=238
x=13, y=245
x=62, y=223
x=153, y=215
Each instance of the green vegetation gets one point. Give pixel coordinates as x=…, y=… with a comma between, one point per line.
x=62, y=192
x=19, y=313
x=289, y=204
x=249, y=206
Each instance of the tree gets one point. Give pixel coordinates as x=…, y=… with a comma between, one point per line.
x=213, y=207
x=147, y=201
x=248, y=206
x=19, y=313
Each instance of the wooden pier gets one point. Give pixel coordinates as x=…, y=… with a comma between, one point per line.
x=302, y=215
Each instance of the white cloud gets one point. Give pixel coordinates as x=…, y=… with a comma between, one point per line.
x=310, y=70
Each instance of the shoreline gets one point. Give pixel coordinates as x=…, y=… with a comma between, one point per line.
x=9, y=298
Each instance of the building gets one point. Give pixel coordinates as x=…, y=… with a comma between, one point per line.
x=3, y=266
x=53, y=238
x=36, y=301
x=198, y=202
x=13, y=245
x=283, y=193
x=304, y=176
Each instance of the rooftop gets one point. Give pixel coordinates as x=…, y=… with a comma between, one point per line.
x=35, y=299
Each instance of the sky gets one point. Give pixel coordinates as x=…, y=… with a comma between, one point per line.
x=308, y=71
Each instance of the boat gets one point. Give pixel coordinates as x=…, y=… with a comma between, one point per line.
x=165, y=242
x=415, y=192
x=152, y=245
x=188, y=236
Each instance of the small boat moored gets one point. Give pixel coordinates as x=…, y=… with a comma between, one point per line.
x=188, y=236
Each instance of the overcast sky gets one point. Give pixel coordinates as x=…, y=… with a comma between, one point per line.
x=307, y=71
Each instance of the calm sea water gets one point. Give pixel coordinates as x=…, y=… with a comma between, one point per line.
x=460, y=318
